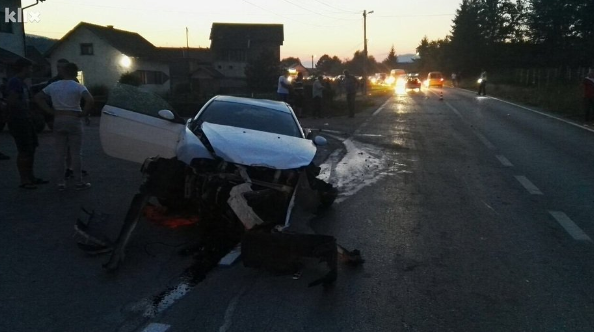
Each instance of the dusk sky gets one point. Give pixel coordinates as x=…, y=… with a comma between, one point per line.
x=312, y=27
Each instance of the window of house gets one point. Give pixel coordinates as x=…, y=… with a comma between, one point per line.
x=235, y=55
x=151, y=76
x=5, y=27
x=86, y=49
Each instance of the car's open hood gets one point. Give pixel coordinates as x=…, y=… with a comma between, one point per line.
x=257, y=148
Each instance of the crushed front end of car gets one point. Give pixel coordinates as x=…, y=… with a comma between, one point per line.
x=265, y=206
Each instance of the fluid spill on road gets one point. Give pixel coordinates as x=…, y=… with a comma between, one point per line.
x=362, y=165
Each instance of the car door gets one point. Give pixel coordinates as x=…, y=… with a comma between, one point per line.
x=131, y=128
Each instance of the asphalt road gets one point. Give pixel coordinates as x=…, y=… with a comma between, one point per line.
x=472, y=215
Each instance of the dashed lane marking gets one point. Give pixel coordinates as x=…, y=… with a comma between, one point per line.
x=480, y=136
x=570, y=227
x=504, y=161
x=484, y=140
x=528, y=185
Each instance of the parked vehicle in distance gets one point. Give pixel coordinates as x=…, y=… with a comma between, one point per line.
x=434, y=78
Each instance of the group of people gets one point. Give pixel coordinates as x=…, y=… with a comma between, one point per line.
x=285, y=88
x=61, y=97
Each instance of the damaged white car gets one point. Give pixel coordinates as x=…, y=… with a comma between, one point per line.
x=243, y=165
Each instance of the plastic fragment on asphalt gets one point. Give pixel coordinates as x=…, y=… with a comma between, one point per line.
x=231, y=257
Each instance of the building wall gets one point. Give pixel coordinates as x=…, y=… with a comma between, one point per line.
x=105, y=66
x=15, y=41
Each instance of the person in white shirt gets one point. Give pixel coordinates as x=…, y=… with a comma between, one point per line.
x=66, y=96
x=283, y=87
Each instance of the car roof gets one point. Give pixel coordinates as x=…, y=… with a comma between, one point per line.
x=265, y=103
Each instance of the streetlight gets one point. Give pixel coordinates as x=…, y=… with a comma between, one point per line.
x=365, y=51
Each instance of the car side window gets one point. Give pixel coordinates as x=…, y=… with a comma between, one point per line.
x=132, y=98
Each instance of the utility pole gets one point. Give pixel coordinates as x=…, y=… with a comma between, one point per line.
x=365, y=51
x=312, y=65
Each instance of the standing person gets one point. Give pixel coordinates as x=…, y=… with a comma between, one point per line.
x=66, y=96
x=20, y=123
x=3, y=112
x=350, y=87
x=299, y=92
x=60, y=65
x=589, y=95
x=454, y=81
x=483, y=84
x=283, y=86
x=317, y=96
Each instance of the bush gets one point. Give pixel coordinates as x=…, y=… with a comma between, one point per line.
x=130, y=79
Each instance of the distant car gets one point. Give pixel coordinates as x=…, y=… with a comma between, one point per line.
x=434, y=78
x=413, y=83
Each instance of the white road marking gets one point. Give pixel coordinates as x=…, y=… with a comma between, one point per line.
x=528, y=185
x=156, y=327
x=364, y=124
x=228, y=319
x=480, y=136
x=538, y=112
x=484, y=140
x=570, y=227
x=504, y=161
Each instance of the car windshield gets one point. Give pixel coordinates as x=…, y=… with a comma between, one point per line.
x=247, y=116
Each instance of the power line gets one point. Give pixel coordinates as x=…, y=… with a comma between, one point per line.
x=320, y=14
x=344, y=10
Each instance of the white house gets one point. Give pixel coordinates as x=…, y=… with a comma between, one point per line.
x=12, y=37
x=104, y=53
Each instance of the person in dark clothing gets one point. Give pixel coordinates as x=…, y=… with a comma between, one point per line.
x=350, y=87
x=299, y=94
x=589, y=95
x=3, y=112
x=21, y=125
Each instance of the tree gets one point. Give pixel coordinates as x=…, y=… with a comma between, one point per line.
x=263, y=72
x=329, y=65
x=288, y=62
x=391, y=61
x=355, y=65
